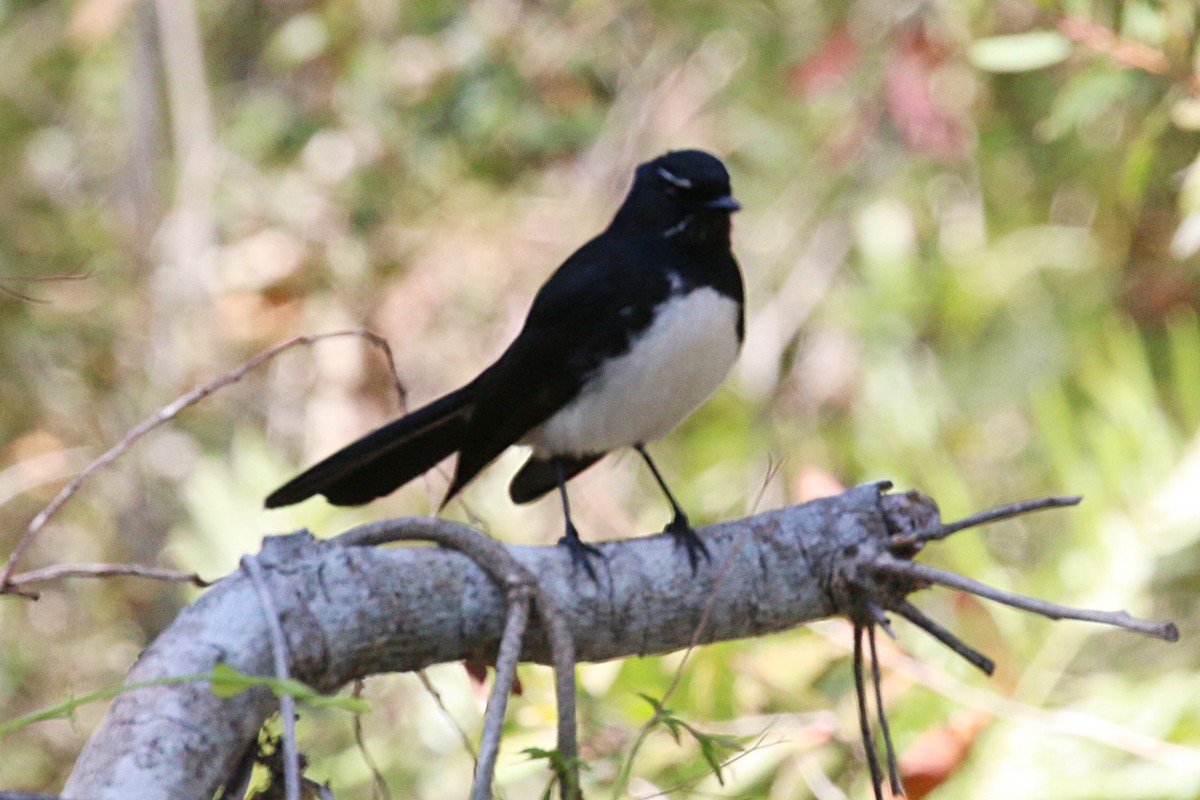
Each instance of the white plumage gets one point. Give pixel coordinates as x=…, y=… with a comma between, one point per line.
x=670, y=370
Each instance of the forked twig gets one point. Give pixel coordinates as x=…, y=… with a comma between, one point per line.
x=884, y=578
x=163, y=415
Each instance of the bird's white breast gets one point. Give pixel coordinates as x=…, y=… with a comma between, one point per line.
x=672, y=367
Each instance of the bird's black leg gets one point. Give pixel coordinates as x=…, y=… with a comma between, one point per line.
x=579, y=551
x=679, y=527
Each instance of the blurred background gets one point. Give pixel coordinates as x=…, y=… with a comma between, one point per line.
x=970, y=244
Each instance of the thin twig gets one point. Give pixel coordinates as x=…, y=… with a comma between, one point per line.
x=773, y=466
x=879, y=616
x=702, y=623
x=494, y=559
x=1061, y=721
x=1119, y=619
x=688, y=783
x=423, y=677
x=864, y=719
x=103, y=571
x=507, y=656
x=163, y=415
x=914, y=615
x=884, y=728
x=62, y=276
x=379, y=787
x=562, y=653
x=279, y=652
x=983, y=518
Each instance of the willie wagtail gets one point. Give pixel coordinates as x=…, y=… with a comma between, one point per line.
x=630, y=335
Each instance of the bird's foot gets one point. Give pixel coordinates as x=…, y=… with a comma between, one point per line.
x=685, y=536
x=580, y=552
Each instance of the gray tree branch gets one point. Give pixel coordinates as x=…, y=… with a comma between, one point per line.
x=353, y=611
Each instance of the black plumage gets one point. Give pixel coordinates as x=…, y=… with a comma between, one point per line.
x=578, y=351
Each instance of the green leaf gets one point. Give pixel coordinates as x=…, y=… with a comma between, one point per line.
x=536, y=753
x=713, y=748
x=559, y=765
x=1020, y=52
x=655, y=703
x=228, y=682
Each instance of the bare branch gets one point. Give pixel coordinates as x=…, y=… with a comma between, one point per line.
x=983, y=518
x=356, y=610
x=60, y=571
x=6, y=280
x=973, y=656
x=1119, y=619
x=279, y=654
x=163, y=415
x=36, y=471
x=506, y=670
x=379, y=787
x=423, y=677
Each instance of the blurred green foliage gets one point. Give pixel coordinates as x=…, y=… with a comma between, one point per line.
x=970, y=242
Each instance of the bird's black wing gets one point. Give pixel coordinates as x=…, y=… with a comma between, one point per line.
x=540, y=475
x=586, y=313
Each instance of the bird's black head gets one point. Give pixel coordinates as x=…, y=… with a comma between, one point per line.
x=682, y=195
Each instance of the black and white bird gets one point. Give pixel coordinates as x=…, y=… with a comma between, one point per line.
x=627, y=338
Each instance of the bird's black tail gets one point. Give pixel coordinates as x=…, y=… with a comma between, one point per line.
x=384, y=459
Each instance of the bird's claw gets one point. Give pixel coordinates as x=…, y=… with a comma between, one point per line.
x=686, y=537
x=581, y=552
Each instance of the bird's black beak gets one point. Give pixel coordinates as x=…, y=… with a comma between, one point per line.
x=726, y=203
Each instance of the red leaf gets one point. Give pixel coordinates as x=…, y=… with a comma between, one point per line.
x=926, y=125
x=829, y=69
x=938, y=752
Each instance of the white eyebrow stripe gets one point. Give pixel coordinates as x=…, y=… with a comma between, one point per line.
x=672, y=178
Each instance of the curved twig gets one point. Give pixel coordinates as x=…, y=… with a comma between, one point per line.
x=518, y=585
x=163, y=415
x=279, y=652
